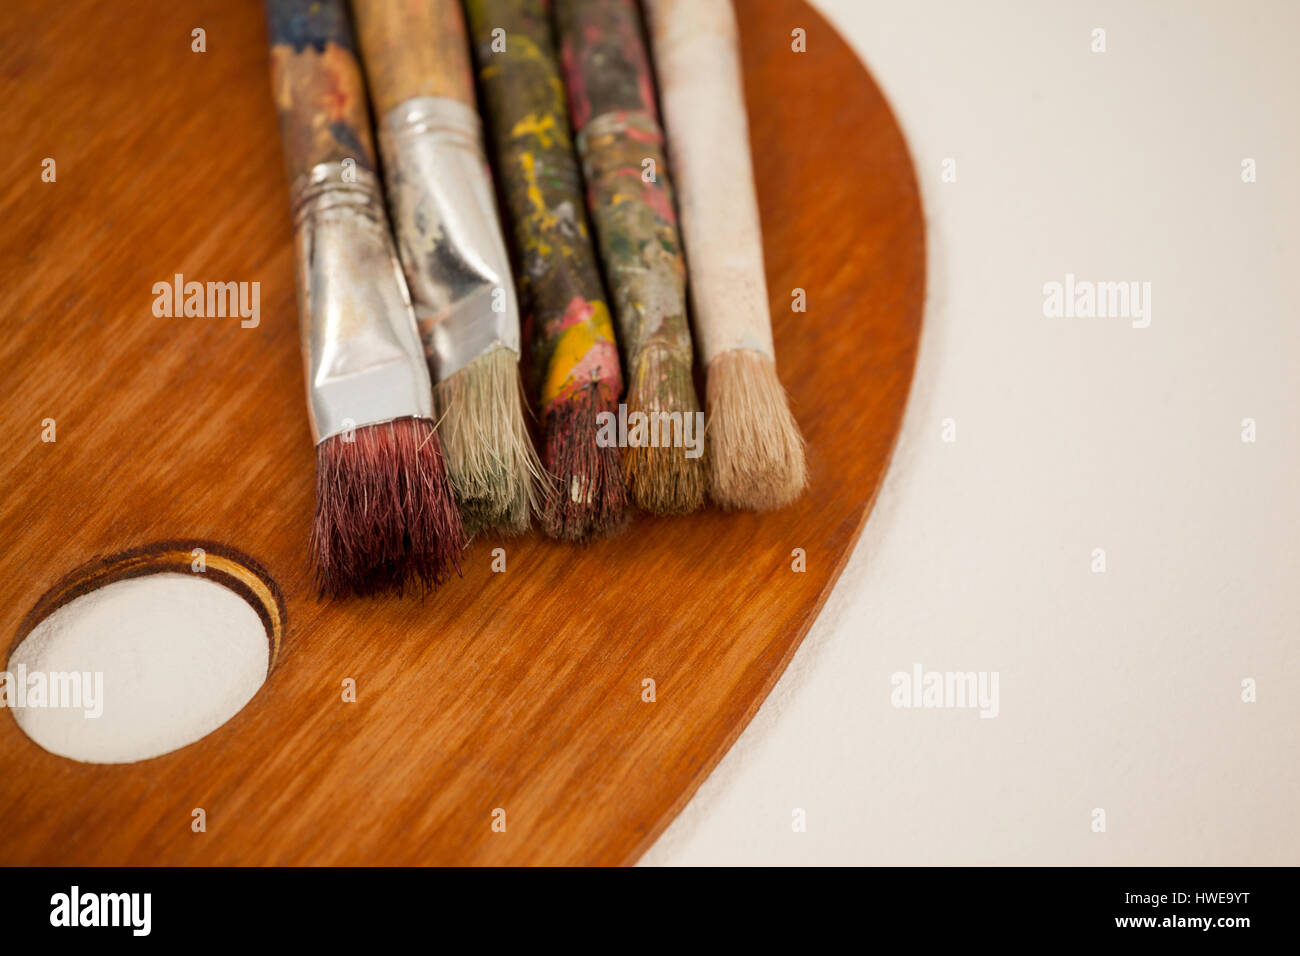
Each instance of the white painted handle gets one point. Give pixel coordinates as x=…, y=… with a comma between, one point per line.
x=697, y=58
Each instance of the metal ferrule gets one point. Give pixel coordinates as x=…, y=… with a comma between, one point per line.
x=445, y=219
x=360, y=346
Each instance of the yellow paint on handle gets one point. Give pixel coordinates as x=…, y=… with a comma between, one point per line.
x=573, y=346
x=541, y=126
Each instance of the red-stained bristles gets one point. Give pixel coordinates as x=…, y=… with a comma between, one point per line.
x=589, y=497
x=385, y=515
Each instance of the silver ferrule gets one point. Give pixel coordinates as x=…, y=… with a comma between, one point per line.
x=360, y=346
x=448, y=234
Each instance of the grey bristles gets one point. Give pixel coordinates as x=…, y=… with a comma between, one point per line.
x=755, y=450
x=493, y=467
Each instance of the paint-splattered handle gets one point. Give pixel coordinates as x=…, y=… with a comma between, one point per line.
x=414, y=48
x=538, y=171
x=606, y=68
x=317, y=85
x=697, y=59
x=629, y=191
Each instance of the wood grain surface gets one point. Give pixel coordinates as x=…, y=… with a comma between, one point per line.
x=519, y=690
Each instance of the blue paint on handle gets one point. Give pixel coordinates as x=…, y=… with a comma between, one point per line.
x=310, y=23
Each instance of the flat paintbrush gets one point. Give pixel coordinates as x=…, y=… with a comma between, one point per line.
x=630, y=199
x=575, y=357
x=385, y=515
x=417, y=60
x=756, y=454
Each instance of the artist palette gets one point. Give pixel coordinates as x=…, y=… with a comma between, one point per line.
x=555, y=704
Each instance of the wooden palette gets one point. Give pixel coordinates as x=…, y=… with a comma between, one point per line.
x=520, y=691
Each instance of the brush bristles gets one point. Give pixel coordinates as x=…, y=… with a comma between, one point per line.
x=493, y=467
x=662, y=479
x=756, y=455
x=589, y=498
x=385, y=516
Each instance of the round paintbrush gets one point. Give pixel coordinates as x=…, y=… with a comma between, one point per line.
x=630, y=199
x=385, y=515
x=575, y=358
x=416, y=54
x=756, y=454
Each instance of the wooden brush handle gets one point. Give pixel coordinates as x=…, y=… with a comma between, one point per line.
x=606, y=68
x=317, y=85
x=559, y=277
x=629, y=191
x=414, y=48
x=697, y=58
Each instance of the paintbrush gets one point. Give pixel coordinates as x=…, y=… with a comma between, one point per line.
x=385, y=515
x=630, y=199
x=756, y=454
x=575, y=357
x=417, y=60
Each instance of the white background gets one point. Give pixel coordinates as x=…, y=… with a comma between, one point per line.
x=1118, y=690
